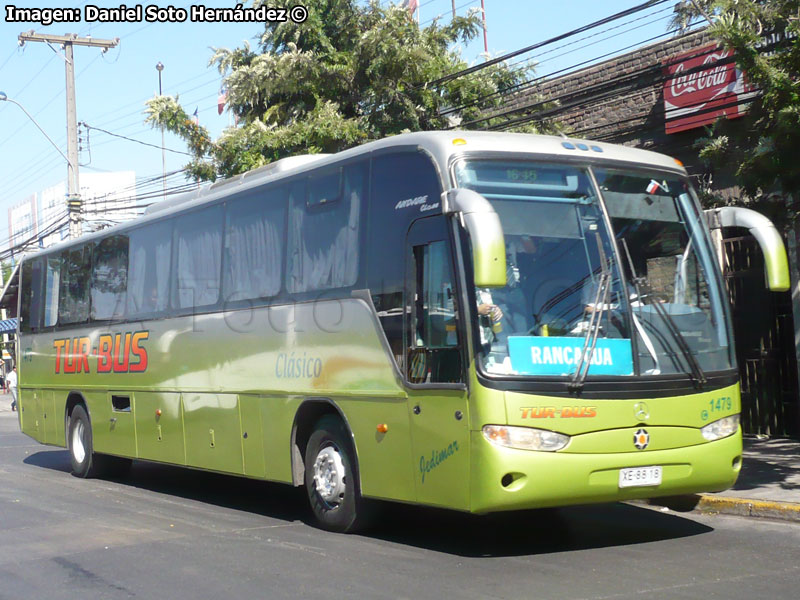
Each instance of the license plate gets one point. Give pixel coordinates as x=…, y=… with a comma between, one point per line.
x=639, y=476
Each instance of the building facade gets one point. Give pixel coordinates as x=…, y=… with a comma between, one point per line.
x=41, y=221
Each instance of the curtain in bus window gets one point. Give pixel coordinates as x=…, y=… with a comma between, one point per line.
x=324, y=230
x=148, y=268
x=199, y=254
x=52, y=283
x=254, y=246
x=73, y=295
x=110, y=278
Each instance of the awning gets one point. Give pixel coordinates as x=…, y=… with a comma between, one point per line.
x=8, y=326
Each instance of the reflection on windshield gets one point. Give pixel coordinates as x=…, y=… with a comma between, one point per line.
x=667, y=256
x=559, y=253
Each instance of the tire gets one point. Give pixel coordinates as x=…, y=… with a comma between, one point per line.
x=331, y=478
x=85, y=462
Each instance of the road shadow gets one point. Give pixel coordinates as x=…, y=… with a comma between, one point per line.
x=56, y=460
x=770, y=464
x=759, y=473
x=519, y=533
x=531, y=532
x=265, y=498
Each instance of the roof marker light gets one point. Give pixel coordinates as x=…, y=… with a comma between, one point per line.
x=582, y=147
x=596, y=148
x=568, y=145
x=459, y=142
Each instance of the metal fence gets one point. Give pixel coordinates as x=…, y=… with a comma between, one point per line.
x=765, y=348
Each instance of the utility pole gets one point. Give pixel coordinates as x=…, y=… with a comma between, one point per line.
x=159, y=68
x=73, y=184
x=485, y=39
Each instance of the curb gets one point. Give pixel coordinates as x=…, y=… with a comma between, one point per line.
x=767, y=509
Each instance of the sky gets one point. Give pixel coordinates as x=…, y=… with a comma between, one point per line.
x=112, y=87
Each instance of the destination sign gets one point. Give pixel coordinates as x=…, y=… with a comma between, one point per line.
x=561, y=356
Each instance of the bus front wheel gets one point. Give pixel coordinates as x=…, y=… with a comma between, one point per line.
x=330, y=478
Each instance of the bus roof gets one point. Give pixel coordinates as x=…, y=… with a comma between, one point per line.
x=442, y=145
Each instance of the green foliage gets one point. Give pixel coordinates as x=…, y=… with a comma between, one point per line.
x=762, y=146
x=7, y=269
x=351, y=73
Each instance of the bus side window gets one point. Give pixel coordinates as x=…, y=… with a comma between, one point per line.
x=325, y=229
x=254, y=241
x=198, y=258
x=110, y=278
x=149, y=269
x=433, y=350
x=400, y=181
x=73, y=295
x=32, y=295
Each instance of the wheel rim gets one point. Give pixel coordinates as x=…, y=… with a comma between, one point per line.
x=329, y=475
x=78, y=449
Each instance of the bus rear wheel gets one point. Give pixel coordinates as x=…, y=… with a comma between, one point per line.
x=331, y=478
x=85, y=462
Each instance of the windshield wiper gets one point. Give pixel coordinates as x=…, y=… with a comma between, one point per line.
x=696, y=371
x=601, y=299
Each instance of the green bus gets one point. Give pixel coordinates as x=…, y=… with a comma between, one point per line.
x=477, y=321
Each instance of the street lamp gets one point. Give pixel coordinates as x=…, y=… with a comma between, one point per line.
x=159, y=68
x=71, y=168
x=5, y=98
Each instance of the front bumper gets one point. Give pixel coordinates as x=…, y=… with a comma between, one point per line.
x=509, y=479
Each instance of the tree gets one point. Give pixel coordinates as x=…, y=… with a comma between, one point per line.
x=764, y=37
x=348, y=74
x=7, y=269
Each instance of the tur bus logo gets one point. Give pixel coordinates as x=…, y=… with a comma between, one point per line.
x=114, y=353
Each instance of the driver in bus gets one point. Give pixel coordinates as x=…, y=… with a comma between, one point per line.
x=506, y=308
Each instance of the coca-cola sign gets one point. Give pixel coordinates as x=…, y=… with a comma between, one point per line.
x=702, y=85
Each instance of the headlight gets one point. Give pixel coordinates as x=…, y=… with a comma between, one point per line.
x=720, y=429
x=525, y=438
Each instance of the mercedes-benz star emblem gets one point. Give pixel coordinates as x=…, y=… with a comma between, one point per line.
x=641, y=411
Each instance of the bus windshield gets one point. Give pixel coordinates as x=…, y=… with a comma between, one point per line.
x=609, y=273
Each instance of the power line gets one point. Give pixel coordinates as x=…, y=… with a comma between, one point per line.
x=655, y=71
x=134, y=206
x=557, y=38
x=521, y=86
x=90, y=127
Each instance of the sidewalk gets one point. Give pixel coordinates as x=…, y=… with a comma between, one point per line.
x=768, y=486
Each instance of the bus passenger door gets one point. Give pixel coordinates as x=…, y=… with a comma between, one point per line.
x=434, y=368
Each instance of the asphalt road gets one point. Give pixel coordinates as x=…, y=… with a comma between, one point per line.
x=164, y=532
